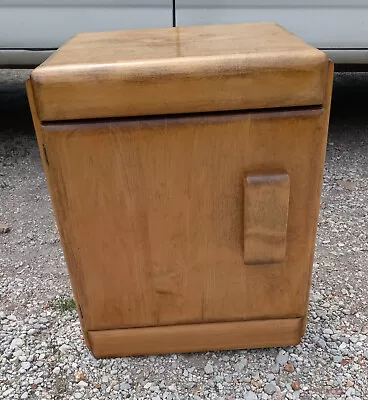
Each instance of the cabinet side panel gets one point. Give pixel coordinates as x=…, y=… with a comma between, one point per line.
x=321, y=154
x=57, y=206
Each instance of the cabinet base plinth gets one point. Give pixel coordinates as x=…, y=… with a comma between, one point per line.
x=196, y=337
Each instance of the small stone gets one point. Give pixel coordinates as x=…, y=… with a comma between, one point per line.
x=240, y=365
x=208, y=369
x=349, y=383
x=270, y=377
x=270, y=388
x=350, y=392
x=343, y=346
x=79, y=376
x=289, y=367
x=321, y=343
x=56, y=371
x=337, y=359
x=17, y=342
x=7, y=392
x=114, y=384
x=346, y=184
x=354, y=339
x=295, y=385
x=105, y=379
x=78, y=395
x=26, y=365
x=256, y=376
x=82, y=384
x=344, y=339
x=4, y=228
x=64, y=348
x=282, y=357
x=18, y=353
x=211, y=383
x=328, y=331
x=24, y=396
x=250, y=396
x=124, y=386
x=275, y=368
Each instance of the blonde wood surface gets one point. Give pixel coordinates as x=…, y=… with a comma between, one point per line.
x=186, y=232
x=74, y=278
x=152, y=213
x=197, y=337
x=179, y=70
x=266, y=209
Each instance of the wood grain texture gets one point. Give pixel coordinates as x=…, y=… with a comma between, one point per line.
x=157, y=214
x=266, y=210
x=152, y=213
x=197, y=337
x=179, y=70
x=74, y=277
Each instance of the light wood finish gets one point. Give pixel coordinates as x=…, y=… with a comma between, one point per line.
x=197, y=337
x=266, y=210
x=76, y=286
x=179, y=70
x=186, y=232
x=152, y=213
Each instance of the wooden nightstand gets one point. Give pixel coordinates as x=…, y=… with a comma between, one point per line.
x=185, y=169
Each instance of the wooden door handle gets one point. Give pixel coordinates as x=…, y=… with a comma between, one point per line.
x=266, y=207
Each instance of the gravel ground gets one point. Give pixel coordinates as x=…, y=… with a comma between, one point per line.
x=42, y=355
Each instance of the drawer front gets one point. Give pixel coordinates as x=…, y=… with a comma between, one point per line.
x=189, y=219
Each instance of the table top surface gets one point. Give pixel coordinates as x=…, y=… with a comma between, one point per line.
x=179, y=70
x=182, y=42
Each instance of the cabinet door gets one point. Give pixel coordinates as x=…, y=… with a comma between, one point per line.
x=168, y=220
